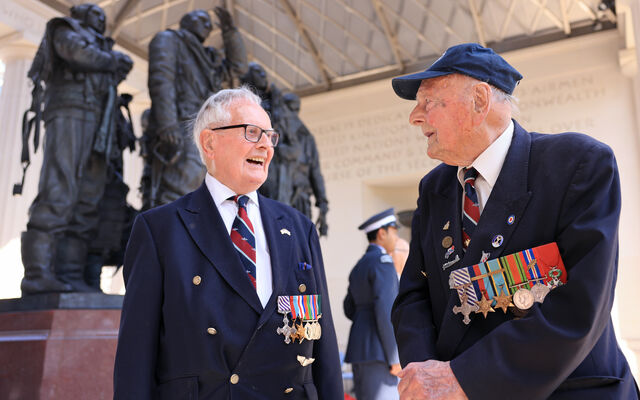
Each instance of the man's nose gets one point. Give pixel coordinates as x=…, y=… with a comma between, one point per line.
x=417, y=116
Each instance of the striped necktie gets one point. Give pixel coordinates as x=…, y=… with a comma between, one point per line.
x=471, y=209
x=244, y=239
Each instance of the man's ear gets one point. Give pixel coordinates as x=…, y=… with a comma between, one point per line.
x=207, y=142
x=481, y=94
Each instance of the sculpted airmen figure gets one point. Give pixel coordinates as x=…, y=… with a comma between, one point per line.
x=307, y=177
x=80, y=71
x=182, y=74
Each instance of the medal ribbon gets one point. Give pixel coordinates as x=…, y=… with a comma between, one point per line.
x=306, y=307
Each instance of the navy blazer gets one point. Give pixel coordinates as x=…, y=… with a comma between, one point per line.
x=373, y=286
x=166, y=347
x=560, y=188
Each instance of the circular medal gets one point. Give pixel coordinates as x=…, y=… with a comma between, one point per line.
x=447, y=242
x=523, y=299
x=539, y=292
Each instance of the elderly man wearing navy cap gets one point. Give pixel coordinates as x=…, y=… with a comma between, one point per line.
x=500, y=191
x=373, y=286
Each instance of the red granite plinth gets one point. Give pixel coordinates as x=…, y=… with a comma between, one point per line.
x=58, y=354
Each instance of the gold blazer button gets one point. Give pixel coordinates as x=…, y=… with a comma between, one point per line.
x=197, y=280
x=212, y=331
x=288, y=390
x=234, y=379
x=302, y=288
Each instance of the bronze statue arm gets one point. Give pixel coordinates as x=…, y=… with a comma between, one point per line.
x=80, y=54
x=235, y=53
x=163, y=51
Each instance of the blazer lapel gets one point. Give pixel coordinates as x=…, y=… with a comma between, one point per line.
x=279, y=230
x=204, y=223
x=499, y=219
x=446, y=224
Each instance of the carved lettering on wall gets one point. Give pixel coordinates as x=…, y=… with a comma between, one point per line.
x=558, y=105
x=371, y=145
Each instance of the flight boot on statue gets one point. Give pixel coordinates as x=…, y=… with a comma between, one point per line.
x=37, y=253
x=70, y=263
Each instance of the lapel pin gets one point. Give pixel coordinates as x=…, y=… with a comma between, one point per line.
x=285, y=231
x=511, y=219
x=484, y=257
x=450, y=251
x=446, y=226
x=304, y=361
x=450, y=263
x=447, y=242
x=497, y=241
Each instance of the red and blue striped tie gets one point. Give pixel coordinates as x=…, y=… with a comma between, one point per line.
x=244, y=239
x=471, y=209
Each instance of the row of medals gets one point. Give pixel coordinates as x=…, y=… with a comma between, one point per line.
x=523, y=299
x=305, y=329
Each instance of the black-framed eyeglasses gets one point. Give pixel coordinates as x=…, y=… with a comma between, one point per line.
x=253, y=133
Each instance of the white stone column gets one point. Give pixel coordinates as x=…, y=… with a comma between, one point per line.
x=14, y=100
x=627, y=317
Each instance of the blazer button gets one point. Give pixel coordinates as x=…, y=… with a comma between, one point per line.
x=234, y=379
x=288, y=390
x=302, y=288
x=212, y=331
x=197, y=280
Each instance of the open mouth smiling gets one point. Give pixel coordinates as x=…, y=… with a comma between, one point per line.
x=256, y=161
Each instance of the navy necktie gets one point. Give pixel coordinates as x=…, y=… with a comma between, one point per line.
x=243, y=238
x=471, y=209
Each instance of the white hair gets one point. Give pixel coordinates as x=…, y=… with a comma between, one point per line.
x=501, y=96
x=215, y=110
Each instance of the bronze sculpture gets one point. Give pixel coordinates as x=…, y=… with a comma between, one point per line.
x=294, y=172
x=80, y=72
x=182, y=74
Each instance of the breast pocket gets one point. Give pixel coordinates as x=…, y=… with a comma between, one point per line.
x=179, y=389
x=306, y=281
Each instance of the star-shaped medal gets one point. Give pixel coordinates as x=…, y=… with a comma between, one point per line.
x=484, y=307
x=300, y=332
x=503, y=301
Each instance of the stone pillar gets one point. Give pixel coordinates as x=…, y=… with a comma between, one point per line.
x=15, y=98
x=628, y=16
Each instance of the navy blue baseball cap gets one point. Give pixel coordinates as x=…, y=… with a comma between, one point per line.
x=385, y=218
x=469, y=59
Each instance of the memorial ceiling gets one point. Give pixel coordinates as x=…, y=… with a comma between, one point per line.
x=309, y=46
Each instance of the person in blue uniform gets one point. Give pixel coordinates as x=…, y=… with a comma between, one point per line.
x=523, y=190
x=373, y=286
x=219, y=282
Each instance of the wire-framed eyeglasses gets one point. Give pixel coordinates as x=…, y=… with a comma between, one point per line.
x=253, y=133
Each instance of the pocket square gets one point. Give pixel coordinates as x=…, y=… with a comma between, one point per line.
x=303, y=266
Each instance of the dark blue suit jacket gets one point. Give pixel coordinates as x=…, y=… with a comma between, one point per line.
x=373, y=286
x=165, y=349
x=563, y=188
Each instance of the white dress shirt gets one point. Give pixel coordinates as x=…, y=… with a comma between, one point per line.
x=488, y=164
x=228, y=210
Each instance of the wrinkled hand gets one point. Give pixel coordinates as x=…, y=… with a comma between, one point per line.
x=225, y=22
x=429, y=380
x=395, y=369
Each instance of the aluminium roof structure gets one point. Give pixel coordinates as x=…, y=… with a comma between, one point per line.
x=309, y=46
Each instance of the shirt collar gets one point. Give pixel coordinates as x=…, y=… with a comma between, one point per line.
x=380, y=247
x=220, y=192
x=490, y=161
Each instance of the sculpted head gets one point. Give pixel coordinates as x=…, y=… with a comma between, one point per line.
x=292, y=101
x=197, y=22
x=91, y=16
x=256, y=76
x=228, y=151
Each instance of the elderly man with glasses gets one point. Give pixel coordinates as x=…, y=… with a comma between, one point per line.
x=226, y=292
